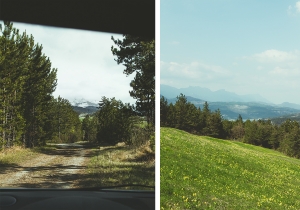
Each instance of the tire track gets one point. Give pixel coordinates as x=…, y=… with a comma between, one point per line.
x=17, y=174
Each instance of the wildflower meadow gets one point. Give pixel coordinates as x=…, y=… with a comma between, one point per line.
x=199, y=172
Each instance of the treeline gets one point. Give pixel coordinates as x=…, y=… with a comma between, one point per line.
x=116, y=122
x=28, y=111
x=186, y=116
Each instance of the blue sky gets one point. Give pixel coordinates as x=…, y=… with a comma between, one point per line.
x=246, y=47
x=86, y=66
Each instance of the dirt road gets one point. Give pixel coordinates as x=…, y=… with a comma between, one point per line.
x=57, y=168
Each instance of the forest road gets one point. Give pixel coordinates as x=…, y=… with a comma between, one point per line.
x=56, y=168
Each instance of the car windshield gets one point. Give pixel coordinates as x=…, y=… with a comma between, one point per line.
x=76, y=108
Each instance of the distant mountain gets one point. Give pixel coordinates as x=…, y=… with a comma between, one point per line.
x=208, y=95
x=291, y=105
x=83, y=103
x=193, y=100
x=85, y=110
x=248, y=110
x=84, y=107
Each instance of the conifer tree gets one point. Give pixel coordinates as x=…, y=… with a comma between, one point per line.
x=26, y=85
x=137, y=54
x=163, y=111
x=89, y=128
x=13, y=67
x=39, y=85
x=113, y=121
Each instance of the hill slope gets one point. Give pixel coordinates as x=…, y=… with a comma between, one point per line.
x=207, y=173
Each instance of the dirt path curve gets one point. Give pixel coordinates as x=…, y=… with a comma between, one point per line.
x=58, y=168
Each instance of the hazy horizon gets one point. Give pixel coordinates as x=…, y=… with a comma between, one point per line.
x=185, y=87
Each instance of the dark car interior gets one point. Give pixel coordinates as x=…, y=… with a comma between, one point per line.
x=136, y=17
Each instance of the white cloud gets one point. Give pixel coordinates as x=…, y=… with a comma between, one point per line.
x=194, y=73
x=192, y=70
x=285, y=72
x=297, y=6
x=86, y=66
x=294, y=10
x=271, y=56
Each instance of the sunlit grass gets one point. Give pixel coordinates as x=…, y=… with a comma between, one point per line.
x=207, y=173
x=121, y=164
x=15, y=155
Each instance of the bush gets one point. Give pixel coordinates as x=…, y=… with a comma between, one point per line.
x=140, y=136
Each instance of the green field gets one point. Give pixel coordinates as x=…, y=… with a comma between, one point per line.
x=200, y=172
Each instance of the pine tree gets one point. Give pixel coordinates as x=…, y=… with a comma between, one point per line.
x=181, y=112
x=26, y=84
x=113, y=121
x=89, y=128
x=205, y=119
x=13, y=67
x=137, y=54
x=163, y=111
x=214, y=124
x=171, y=117
x=39, y=85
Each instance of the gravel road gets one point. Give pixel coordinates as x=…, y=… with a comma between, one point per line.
x=59, y=168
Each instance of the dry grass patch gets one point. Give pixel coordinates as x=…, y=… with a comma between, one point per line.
x=16, y=154
x=145, y=153
x=121, y=144
x=121, y=164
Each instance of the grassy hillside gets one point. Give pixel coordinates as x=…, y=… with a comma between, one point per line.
x=207, y=173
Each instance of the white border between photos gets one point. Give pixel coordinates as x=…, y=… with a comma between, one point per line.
x=157, y=104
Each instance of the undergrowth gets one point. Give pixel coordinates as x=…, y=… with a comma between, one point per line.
x=122, y=164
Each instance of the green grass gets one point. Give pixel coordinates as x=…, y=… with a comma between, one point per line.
x=207, y=173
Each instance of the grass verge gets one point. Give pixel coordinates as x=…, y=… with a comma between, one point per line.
x=207, y=173
x=17, y=154
x=121, y=165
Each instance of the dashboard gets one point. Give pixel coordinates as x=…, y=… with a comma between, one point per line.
x=36, y=199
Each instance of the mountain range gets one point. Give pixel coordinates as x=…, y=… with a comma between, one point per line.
x=83, y=106
x=231, y=104
x=249, y=106
x=208, y=95
x=83, y=103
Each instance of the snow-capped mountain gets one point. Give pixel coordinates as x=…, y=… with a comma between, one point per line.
x=83, y=103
